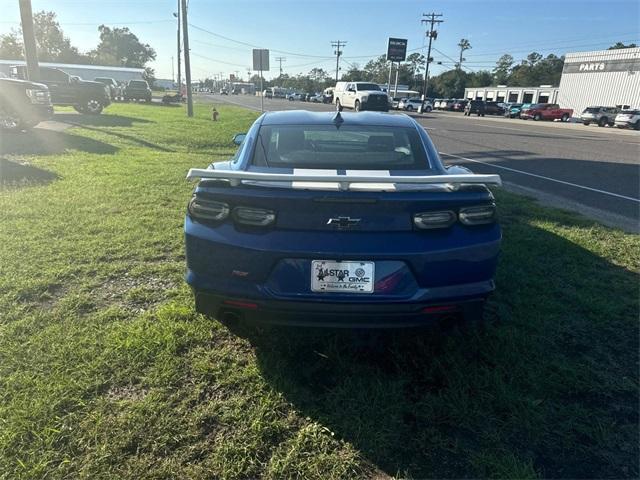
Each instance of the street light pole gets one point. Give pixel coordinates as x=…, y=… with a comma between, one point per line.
x=177, y=15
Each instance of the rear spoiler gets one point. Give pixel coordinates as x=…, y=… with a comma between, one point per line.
x=235, y=177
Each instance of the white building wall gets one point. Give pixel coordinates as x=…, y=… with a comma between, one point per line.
x=86, y=72
x=602, y=78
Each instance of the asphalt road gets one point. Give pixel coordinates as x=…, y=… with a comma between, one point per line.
x=592, y=170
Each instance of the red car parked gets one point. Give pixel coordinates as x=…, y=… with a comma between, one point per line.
x=546, y=111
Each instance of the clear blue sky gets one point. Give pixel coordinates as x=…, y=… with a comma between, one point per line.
x=304, y=29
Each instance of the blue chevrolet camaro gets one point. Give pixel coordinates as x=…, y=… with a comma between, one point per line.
x=340, y=219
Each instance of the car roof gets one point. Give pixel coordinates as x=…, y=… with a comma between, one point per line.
x=297, y=117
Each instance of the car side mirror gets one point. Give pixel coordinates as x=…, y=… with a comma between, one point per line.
x=73, y=80
x=238, y=138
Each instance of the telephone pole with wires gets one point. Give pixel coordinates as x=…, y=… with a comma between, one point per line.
x=431, y=19
x=280, y=60
x=337, y=52
x=187, y=60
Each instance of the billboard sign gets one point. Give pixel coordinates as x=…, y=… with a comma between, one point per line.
x=261, y=59
x=397, y=49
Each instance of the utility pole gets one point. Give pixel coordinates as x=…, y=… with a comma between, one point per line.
x=29, y=38
x=464, y=44
x=179, y=81
x=431, y=19
x=280, y=60
x=337, y=52
x=187, y=62
x=173, y=72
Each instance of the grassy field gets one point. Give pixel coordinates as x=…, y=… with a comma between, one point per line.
x=107, y=372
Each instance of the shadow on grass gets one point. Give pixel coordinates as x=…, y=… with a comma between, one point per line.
x=17, y=174
x=48, y=142
x=103, y=120
x=549, y=388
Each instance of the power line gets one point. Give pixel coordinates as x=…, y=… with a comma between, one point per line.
x=337, y=52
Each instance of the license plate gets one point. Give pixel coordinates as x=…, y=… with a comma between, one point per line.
x=347, y=277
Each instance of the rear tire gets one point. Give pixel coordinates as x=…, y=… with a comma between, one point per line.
x=537, y=117
x=356, y=106
x=636, y=126
x=93, y=107
x=565, y=117
x=586, y=123
x=409, y=108
x=603, y=121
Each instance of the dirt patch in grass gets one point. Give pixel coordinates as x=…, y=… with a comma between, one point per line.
x=136, y=294
x=131, y=393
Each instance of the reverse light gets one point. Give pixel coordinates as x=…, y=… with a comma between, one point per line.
x=429, y=220
x=479, y=215
x=258, y=217
x=208, y=209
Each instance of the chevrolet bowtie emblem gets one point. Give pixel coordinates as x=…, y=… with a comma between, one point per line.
x=343, y=222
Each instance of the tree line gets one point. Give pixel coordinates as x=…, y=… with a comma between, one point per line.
x=117, y=46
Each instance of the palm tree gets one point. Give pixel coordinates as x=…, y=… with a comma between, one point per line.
x=464, y=44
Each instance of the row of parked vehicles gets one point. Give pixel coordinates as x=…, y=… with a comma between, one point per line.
x=599, y=115
x=24, y=104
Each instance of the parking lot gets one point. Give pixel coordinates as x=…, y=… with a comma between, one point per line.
x=592, y=170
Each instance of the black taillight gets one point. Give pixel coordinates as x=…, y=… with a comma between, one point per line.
x=431, y=220
x=478, y=215
x=258, y=217
x=202, y=209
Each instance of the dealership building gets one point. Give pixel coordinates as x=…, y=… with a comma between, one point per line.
x=502, y=93
x=603, y=78
x=607, y=78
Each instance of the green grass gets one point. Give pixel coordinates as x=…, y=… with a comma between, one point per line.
x=107, y=372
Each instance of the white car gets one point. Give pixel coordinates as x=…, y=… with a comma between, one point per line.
x=411, y=104
x=294, y=96
x=317, y=98
x=628, y=119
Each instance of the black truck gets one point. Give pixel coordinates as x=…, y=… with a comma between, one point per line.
x=23, y=104
x=137, y=90
x=84, y=96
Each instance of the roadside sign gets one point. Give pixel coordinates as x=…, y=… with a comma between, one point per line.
x=261, y=59
x=397, y=49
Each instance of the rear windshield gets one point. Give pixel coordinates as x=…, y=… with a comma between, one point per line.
x=592, y=110
x=631, y=112
x=351, y=147
x=367, y=86
x=138, y=83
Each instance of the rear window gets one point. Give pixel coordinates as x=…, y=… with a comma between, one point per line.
x=592, y=110
x=631, y=112
x=367, y=86
x=138, y=83
x=350, y=147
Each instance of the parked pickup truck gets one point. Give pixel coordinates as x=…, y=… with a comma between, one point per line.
x=546, y=111
x=84, y=96
x=361, y=96
x=23, y=104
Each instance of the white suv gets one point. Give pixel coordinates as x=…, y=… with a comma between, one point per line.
x=628, y=119
x=361, y=96
x=411, y=104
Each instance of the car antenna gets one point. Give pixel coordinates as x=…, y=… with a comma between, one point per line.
x=337, y=118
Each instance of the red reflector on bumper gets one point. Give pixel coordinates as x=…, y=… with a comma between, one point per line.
x=439, y=309
x=241, y=304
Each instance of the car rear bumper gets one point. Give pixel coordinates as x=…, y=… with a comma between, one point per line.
x=334, y=315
